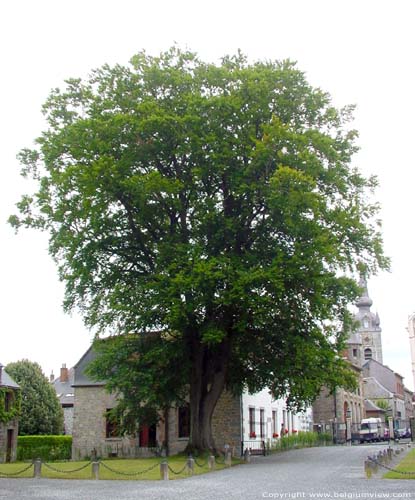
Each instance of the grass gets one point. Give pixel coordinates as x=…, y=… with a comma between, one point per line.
x=405, y=466
x=128, y=469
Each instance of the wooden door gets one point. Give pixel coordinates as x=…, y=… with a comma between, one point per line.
x=9, y=445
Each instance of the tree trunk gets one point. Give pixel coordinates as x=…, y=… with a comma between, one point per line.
x=206, y=387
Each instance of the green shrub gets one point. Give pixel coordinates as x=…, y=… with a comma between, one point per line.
x=301, y=440
x=44, y=447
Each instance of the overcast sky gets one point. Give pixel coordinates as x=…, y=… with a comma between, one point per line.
x=361, y=52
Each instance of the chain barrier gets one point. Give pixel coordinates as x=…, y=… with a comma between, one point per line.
x=371, y=459
x=201, y=465
x=11, y=474
x=129, y=473
x=48, y=466
x=179, y=472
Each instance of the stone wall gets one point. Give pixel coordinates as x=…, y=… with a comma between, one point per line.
x=226, y=422
x=68, y=419
x=13, y=425
x=226, y=425
x=89, y=426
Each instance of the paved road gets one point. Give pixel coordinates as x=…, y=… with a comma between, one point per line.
x=334, y=473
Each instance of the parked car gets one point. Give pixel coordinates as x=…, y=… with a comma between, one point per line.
x=402, y=433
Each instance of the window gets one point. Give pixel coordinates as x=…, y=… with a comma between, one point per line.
x=251, y=422
x=184, y=421
x=262, y=422
x=274, y=422
x=355, y=353
x=368, y=353
x=111, y=425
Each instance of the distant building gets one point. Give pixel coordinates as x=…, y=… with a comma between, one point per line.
x=369, y=326
x=382, y=383
x=332, y=410
x=65, y=392
x=9, y=426
x=411, y=331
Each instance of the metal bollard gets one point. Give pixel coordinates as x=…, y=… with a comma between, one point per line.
x=190, y=466
x=37, y=468
x=211, y=462
x=95, y=470
x=164, y=471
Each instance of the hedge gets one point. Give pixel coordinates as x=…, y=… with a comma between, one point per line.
x=44, y=447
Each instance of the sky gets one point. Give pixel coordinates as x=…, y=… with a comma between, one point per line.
x=361, y=52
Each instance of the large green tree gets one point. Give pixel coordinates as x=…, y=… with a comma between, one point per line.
x=41, y=412
x=207, y=215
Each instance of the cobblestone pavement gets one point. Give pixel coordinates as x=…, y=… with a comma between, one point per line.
x=312, y=473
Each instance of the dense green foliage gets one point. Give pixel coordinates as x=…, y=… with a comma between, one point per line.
x=41, y=412
x=212, y=211
x=14, y=404
x=44, y=447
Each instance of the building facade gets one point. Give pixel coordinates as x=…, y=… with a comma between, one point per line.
x=369, y=326
x=236, y=420
x=411, y=332
x=64, y=391
x=9, y=423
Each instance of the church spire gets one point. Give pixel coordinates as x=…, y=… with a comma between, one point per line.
x=364, y=301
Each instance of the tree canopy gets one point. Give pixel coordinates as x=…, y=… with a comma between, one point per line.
x=41, y=412
x=210, y=217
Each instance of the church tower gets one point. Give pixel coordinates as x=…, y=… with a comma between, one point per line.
x=368, y=329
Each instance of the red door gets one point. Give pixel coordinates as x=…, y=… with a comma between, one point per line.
x=144, y=436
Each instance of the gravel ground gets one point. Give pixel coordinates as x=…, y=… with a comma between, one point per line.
x=331, y=473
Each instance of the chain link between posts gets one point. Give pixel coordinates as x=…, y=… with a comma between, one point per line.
x=48, y=466
x=405, y=473
x=152, y=467
x=177, y=473
x=11, y=474
x=201, y=465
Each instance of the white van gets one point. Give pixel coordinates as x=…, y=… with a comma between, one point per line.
x=371, y=429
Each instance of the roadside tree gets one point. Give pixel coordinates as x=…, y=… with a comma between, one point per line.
x=209, y=217
x=41, y=412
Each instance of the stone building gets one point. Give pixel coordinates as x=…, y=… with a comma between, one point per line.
x=94, y=432
x=9, y=424
x=237, y=419
x=64, y=391
x=369, y=326
x=339, y=412
x=409, y=403
x=382, y=383
x=411, y=332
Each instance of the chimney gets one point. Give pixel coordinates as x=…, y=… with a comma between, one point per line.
x=51, y=377
x=64, y=373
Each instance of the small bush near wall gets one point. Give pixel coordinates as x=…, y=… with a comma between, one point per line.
x=44, y=447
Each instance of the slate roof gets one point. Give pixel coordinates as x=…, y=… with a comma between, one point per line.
x=81, y=379
x=64, y=390
x=7, y=381
x=371, y=406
